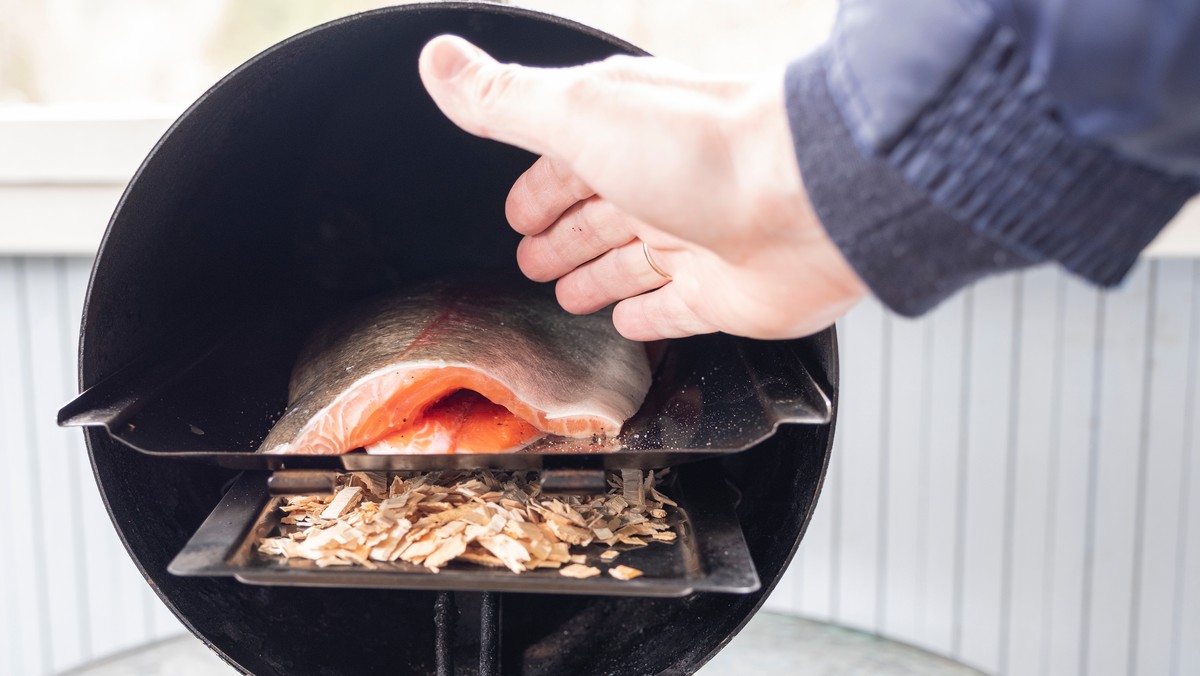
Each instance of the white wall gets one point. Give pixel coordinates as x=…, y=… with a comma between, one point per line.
x=1015, y=480
x=68, y=592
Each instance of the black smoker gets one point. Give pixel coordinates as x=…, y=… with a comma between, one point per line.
x=319, y=173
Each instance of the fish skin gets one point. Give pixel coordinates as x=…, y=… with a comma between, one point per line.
x=580, y=375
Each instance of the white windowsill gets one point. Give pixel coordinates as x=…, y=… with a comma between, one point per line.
x=62, y=172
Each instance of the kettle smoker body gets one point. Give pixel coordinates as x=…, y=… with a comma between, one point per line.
x=317, y=173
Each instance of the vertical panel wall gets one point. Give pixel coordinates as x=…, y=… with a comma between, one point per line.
x=68, y=592
x=1014, y=483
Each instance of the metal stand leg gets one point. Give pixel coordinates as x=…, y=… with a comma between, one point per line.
x=444, y=616
x=489, y=634
x=467, y=624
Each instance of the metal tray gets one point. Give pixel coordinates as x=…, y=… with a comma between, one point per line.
x=214, y=396
x=710, y=553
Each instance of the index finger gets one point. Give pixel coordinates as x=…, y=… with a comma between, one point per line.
x=542, y=194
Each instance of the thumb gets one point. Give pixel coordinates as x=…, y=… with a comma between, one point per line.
x=514, y=104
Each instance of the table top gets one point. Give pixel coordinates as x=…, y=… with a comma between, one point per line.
x=770, y=644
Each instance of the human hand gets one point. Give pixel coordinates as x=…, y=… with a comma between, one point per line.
x=640, y=150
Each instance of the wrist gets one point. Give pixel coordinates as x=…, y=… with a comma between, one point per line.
x=772, y=200
x=775, y=209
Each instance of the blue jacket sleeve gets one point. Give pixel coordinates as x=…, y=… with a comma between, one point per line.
x=1064, y=131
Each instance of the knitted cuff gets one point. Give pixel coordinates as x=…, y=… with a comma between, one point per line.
x=993, y=153
x=910, y=252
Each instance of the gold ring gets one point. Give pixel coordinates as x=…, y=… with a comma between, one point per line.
x=653, y=265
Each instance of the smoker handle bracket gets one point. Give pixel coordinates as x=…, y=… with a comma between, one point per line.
x=573, y=481
x=302, y=482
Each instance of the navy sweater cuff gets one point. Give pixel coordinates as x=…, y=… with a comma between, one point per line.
x=909, y=251
x=993, y=153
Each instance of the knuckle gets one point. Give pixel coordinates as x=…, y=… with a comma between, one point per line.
x=583, y=90
x=522, y=213
x=577, y=229
x=619, y=64
x=603, y=224
x=631, y=319
x=557, y=172
x=582, y=222
x=493, y=86
x=515, y=212
x=623, y=316
x=530, y=260
x=632, y=265
x=624, y=264
x=559, y=175
x=570, y=295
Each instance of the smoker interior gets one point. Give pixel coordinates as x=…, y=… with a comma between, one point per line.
x=321, y=172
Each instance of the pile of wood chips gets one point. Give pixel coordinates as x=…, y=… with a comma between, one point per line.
x=482, y=517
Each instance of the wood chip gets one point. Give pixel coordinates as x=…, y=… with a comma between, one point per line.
x=631, y=490
x=374, y=483
x=571, y=534
x=481, y=559
x=449, y=549
x=509, y=551
x=624, y=572
x=486, y=518
x=560, y=552
x=345, y=500
x=615, y=505
x=579, y=571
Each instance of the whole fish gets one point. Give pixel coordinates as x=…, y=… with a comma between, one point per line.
x=471, y=365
